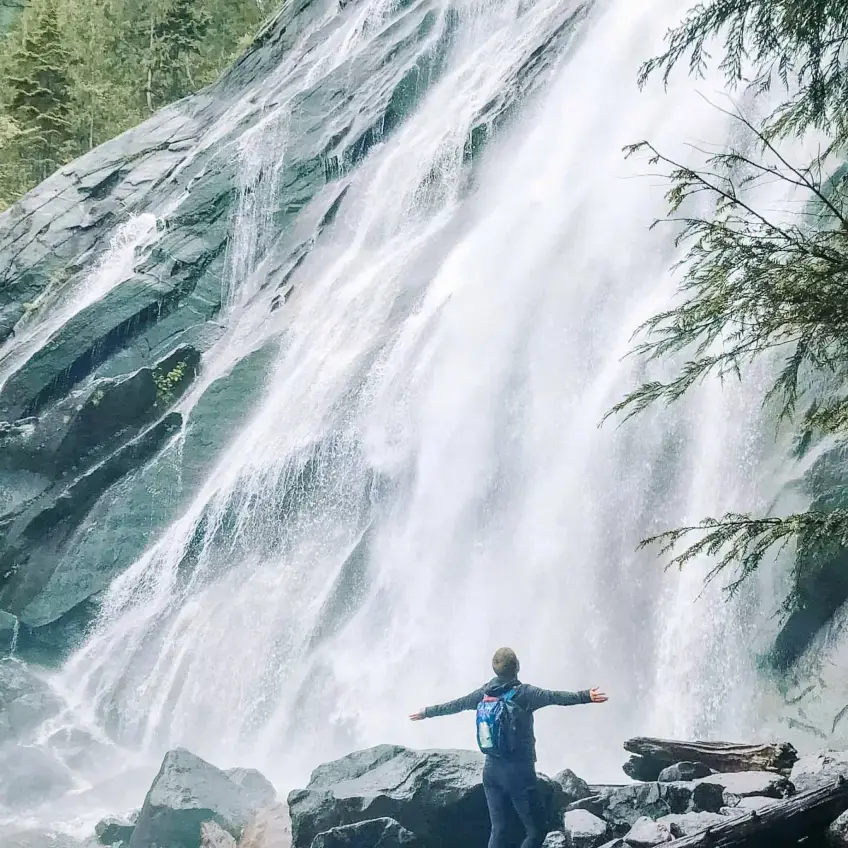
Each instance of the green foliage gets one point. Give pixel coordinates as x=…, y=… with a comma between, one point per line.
x=168, y=383
x=801, y=43
x=75, y=73
x=757, y=281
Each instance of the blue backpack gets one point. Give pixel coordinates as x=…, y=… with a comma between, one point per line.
x=497, y=718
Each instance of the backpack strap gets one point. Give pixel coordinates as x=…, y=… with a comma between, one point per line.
x=508, y=696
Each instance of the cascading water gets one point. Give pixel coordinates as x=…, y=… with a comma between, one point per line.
x=423, y=478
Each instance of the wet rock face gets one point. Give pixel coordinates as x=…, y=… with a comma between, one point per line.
x=118, y=270
x=436, y=795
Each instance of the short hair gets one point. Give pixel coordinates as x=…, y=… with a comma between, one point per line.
x=505, y=663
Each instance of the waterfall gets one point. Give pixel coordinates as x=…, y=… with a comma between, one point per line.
x=422, y=477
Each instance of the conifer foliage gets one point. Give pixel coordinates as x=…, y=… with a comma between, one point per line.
x=761, y=281
x=75, y=73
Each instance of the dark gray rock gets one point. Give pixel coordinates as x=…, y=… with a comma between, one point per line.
x=574, y=787
x=28, y=553
x=646, y=833
x=817, y=770
x=837, y=834
x=683, y=772
x=375, y=833
x=113, y=831
x=437, y=795
x=583, y=830
x=688, y=824
x=187, y=792
x=623, y=806
x=26, y=701
x=30, y=777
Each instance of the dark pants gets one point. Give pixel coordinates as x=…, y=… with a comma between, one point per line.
x=513, y=786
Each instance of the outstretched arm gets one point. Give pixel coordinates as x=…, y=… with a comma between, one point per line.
x=536, y=698
x=469, y=702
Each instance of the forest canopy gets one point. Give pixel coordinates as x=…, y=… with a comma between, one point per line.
x=76, y=73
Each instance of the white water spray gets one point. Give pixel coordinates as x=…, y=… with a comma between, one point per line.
x=424, y=478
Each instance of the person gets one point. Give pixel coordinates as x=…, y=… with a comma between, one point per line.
x=510, y=780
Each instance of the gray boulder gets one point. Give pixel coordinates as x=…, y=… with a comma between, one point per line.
x=624, y=806
x=25, y=700
x=837, y=834
x=113, y=831
x=683, y=771
x=437, y=795
x=583, y=830
x=646, y=833
x=688, y=824
x=819, y=770
x=745, y=805
x=574, y=787
x=555, y=839
x=374, y=833
x=187, y=792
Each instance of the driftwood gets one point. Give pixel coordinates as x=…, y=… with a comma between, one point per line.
x=719, y=756
x=781, y=823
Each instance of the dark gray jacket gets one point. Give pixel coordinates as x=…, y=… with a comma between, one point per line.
x=529, y=698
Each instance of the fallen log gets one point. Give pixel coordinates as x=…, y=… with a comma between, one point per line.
x=781, y=823
x=719, y=756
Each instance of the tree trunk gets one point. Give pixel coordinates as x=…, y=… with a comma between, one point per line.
x=781, y=823
x=719, y=756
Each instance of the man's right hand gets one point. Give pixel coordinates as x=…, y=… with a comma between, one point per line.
x=597, y=696
x=418, y=716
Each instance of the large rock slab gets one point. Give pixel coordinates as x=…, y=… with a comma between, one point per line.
x=187, y=792
x=437, y=795
x=817, y=770
x=374, y=833
x=837, y=833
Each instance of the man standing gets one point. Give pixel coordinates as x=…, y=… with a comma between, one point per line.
x=509, y=774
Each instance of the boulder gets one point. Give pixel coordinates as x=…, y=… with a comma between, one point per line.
x=646, y=833
x=623, y=806
x=113, y=831
x=583, y=830
x=437, y=795
x=688, y=824
x=837, y=834
x=30, y=777
x=555, y=839
x=187, y=792
x=744, y=784
x=683, y=771
x=374, y=833
x=574, y=787
x=819, y=770
x=25, y=700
